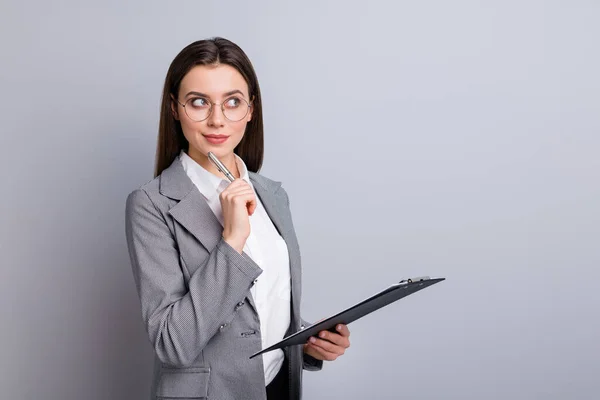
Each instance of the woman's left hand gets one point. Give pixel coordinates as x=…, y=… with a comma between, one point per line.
x=329, y=345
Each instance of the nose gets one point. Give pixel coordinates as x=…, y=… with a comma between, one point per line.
x=216, y=116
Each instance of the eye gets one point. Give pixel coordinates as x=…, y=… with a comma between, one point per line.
x=199, y=102
x=232, y=102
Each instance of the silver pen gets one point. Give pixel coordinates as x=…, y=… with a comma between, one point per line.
x=220, y=166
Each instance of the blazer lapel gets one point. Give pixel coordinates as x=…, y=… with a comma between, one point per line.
x=277, y=209
x=271, y=201
x=192, y=210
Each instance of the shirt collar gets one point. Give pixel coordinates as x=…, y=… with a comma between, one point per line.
x=207, y=183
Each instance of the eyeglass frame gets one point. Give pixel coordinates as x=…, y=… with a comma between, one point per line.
x=212, y=104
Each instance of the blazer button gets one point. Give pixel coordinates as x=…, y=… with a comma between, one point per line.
x=222, y=326
x=256, y=280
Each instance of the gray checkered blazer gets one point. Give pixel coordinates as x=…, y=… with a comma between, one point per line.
x=195, y=291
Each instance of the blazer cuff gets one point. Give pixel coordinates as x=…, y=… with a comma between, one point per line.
x=311, y=364
x=242, y=261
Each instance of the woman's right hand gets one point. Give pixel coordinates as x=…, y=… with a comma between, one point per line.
x=238, y=202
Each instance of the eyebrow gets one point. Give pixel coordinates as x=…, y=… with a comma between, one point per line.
x=205, y=95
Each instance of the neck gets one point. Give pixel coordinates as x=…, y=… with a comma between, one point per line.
x=228, y=160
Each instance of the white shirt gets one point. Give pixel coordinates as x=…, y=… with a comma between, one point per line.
x=271, y=293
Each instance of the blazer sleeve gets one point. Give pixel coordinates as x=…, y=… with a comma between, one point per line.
x=180, y=319
x=309, y=362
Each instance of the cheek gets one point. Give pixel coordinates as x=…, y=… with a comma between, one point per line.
x=191, y=129
x=239, y=127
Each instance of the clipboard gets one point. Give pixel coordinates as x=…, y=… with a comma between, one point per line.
x=391, y=294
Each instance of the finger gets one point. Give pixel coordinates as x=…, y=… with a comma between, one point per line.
x=323, y=354
x=343, y=330
x=240, y=183
x=327, y=346
x=251, y=207
x=311, y=351
x=248, y=199
x=239, y=190
x=235, y=186
x=231, y=194
x=237, y=198
x=319, y=353
x=241, y=197
x=237, y=182
x=335, y=338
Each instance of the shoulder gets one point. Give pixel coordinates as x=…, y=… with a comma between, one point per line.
x=163, y=191
x=148, y=197
x=148, y=188
x=265, y=182
x=273, y=186
x=142, y=197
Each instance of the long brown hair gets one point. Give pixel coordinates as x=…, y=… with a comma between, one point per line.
x=211, y=51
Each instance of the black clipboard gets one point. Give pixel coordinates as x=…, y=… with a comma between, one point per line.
x=359, y=310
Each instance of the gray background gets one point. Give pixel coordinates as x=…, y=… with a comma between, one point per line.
x=483, y=117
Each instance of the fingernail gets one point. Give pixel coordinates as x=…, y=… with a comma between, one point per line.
x=339, y=327
x=322, y=334
x=312, y=339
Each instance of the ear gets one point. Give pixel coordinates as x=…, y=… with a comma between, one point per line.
x=251, y=110
x=174, y=108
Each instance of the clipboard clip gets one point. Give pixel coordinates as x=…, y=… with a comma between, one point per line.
x=417, y=279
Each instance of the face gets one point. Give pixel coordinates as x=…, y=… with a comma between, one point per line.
x=202, y=85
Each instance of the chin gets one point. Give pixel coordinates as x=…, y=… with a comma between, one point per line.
x=219, y=151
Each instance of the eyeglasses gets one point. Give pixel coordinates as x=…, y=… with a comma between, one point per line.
x=234, y=108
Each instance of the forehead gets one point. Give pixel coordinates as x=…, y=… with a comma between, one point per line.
x=213, y=80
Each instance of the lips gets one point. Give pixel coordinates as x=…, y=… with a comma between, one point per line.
x=216, y=139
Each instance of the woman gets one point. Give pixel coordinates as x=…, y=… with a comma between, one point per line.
x=217, y=264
